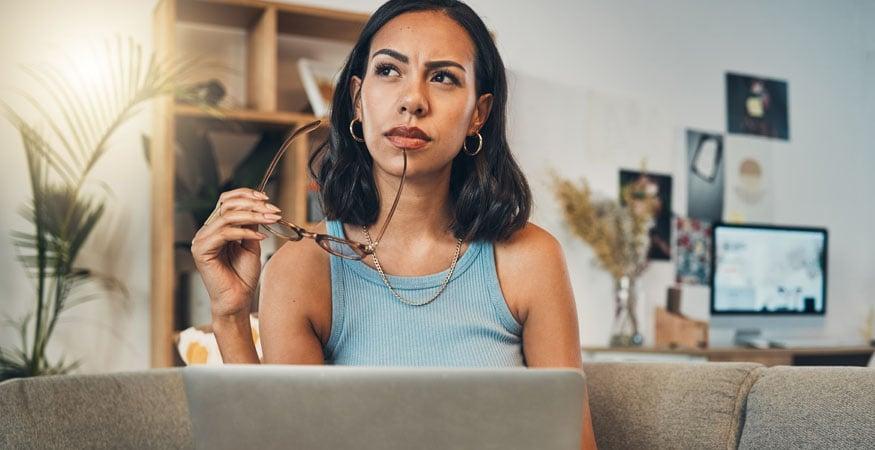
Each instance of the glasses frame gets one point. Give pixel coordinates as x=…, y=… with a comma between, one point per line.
x=360, y=249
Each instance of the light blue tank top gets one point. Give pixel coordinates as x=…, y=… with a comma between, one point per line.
x=468, y=325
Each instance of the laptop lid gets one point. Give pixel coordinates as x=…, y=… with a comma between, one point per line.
x=340, y=407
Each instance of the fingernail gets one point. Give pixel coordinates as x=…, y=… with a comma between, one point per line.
x=273, y=208
x=272, y=216
x=261, y=195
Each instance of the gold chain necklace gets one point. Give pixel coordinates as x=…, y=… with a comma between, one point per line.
x=386, y=279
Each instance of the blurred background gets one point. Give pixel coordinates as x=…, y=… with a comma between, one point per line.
x=773, y=100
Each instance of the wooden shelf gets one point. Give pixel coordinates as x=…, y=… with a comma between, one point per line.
x=226, y=13
x=247, y=115
x=301, y=20
x=259, y=26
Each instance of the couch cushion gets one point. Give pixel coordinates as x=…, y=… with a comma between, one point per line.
x=668, y=405
x=144, y=409
x=811, y=407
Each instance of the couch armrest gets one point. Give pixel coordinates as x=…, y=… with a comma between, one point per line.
x=145, y=409
x=811, y=407
x=668, y=405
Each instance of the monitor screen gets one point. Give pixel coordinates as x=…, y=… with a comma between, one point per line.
x=761, y=269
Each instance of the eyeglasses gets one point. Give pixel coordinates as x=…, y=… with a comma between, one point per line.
x=343, y=248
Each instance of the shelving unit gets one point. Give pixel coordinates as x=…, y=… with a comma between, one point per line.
x=262, y=27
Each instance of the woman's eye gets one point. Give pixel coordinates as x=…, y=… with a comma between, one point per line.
x=385, y=70
x=443, y=75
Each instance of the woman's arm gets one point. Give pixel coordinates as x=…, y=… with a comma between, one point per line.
x=294, y=308
x=234, y=337
x=539, y=283
x=294, y=284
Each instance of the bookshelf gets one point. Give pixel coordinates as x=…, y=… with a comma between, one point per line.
x=265, y=37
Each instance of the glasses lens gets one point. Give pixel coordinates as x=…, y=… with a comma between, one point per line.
x=339, y=248
x=283, y=231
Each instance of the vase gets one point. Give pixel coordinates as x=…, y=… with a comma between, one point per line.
x=624, y=331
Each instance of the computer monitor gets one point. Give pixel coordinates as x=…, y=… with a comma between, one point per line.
x=768, y=270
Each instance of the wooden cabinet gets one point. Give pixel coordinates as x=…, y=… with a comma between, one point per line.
x=269, y=39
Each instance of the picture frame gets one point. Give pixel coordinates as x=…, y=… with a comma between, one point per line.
x=319, y=79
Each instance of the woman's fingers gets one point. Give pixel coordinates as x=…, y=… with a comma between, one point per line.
x=248, y=219
x=248, y=204
x=209, y=244
x=242, y=193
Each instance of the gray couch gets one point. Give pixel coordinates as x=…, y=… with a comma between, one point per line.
x=634, y=405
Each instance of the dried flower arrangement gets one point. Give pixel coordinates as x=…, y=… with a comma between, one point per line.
x=617, y=234
x=620, y=237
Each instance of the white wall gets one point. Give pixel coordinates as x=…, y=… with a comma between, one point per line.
x=669, y=54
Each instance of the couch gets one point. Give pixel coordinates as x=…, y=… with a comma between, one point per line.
x=634, y=405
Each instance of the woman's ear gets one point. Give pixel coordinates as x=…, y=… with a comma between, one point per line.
x=355, y=89
x=481, y=113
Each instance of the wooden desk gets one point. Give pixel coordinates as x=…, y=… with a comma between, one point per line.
x=803, y=356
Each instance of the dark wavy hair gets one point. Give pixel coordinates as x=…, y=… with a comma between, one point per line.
x=490, y=196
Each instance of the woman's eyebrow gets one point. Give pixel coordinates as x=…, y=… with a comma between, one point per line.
x=403, y=58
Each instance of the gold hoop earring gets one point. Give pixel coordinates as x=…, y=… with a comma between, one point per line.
x=479, y=145
x=358, y=139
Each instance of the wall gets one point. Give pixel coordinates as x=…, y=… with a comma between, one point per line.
x=671, y=55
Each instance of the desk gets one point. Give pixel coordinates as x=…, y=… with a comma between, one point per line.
x=802, y=356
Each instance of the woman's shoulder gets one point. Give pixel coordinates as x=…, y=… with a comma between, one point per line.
x=530, y=244
x=530, y=258
x=299, y=263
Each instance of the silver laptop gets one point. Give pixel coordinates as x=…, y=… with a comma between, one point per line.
x=369, y=408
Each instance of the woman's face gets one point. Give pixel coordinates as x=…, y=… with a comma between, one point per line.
x=419, y=73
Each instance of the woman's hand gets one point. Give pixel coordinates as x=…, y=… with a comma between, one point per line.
x=227, y=250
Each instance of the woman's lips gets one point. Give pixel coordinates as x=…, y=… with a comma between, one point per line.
x=407, y=143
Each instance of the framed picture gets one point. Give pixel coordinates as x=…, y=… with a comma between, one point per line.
x=705, y=175
x=319, y=79
x=659, y=187
x=757, y=106
x=693, y=251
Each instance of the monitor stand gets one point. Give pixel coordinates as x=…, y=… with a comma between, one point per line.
x=750, y=337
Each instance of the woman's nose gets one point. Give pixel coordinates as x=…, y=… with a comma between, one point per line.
x=414, y=101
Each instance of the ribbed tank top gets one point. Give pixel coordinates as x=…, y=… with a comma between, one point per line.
x=468, y=325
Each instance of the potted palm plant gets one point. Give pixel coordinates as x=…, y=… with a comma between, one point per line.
x=62, y=148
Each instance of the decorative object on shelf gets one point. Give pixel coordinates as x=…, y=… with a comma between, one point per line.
x=319, y=79
x=61, y=153
x=197, y=345
x=656, y=190
x=619, y=237
x=207, y=93
x=693, y=249
x=676, y=331
x=624, y=330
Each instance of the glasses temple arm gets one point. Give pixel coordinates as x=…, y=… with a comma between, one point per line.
x=395, y=203
x=279, y=154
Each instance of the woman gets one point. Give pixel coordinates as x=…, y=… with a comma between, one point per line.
x=461, y=277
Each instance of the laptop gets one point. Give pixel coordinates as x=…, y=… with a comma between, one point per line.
x=368, y=408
